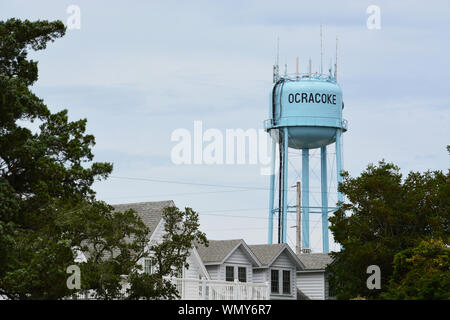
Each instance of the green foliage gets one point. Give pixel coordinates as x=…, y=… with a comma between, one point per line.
x=422, y=272
x=384, y=215
x=47, y=205
x=38, y=170
x=359, y=298
x=111, y=241
x=169, y=256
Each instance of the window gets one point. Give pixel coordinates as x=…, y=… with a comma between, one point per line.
x=286, y=282
x=148, y=266
x=242, y=274
x=229, y=274
x=274, y=281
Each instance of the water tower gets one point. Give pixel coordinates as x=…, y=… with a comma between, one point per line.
x=305, y=113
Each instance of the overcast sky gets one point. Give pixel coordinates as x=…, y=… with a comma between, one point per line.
x=138, y=70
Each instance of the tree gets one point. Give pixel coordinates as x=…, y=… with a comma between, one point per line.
x=111, y=241
x=383, y=216
x=169, y=256
x=422, y=272
x=48, y=209
x=41, y=171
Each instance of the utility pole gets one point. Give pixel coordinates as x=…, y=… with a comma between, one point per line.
x=298, y=246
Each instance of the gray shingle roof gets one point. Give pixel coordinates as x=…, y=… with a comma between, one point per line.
x=315, y=261
x=217, y=250
x=149, y=212
x=266, y=252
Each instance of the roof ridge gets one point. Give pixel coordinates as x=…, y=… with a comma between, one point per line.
x=142, y=202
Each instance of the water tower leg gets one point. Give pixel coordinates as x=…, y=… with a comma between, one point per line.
x=339, y=160
x=285, y=184
x=324, y=192
x=305, y=198
x=272, y=192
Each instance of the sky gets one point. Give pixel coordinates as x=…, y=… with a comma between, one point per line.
x=139, y=70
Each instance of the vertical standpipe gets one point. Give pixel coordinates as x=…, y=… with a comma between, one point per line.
x=272, y=191
x=305, y=198
x=324, y=192
x=339, y=160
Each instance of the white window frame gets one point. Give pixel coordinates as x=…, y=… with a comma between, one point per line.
x=280, y=281
x=236, y=271
x=246, y=273
x=270, y=277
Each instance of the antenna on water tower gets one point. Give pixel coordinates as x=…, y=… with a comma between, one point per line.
x=278, y=53
x=321, y=51
x=276, y=67
x=310, y=67
x=336, y=64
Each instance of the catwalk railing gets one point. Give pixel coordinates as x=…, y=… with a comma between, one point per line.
x=202, y=289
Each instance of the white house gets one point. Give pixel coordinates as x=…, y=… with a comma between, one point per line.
x=231, y=269
x=312, y=280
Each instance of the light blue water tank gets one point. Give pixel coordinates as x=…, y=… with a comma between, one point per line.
x=311, y=108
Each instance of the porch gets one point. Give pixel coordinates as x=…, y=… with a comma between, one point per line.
x=202, y=289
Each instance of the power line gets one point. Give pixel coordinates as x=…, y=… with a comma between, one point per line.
x=232, y=229
x=179, y=194
x=188, y=183
x=247, y=217
x=234, y=210
x=191, y=193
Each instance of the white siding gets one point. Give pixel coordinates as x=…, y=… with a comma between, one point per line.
x=193, y=271
x=191, y=289
x=283, y=261
x=214, y=272
x=312, y=284
x=238, y=257
x=259, y=275
x=157, y=235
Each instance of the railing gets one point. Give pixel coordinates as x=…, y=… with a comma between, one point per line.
x=307, y=75
x=202, y=289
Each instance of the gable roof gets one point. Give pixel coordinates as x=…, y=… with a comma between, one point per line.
x=268, y=253
x=149, y=212
x=219, y=250
x=315, y=261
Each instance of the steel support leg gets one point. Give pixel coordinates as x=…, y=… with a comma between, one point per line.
x=305, y=198
x=324, y=192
